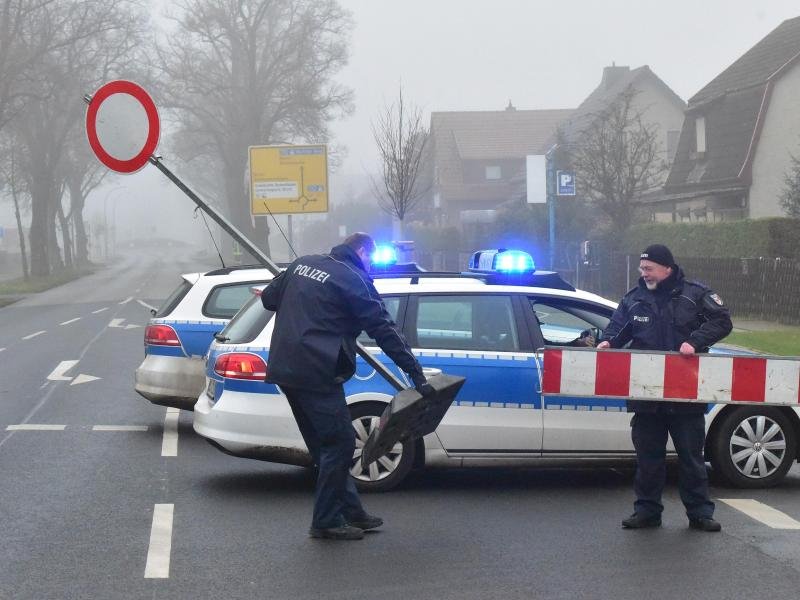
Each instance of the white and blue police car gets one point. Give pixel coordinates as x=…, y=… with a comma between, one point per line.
x=488, y=325
x=178, y=335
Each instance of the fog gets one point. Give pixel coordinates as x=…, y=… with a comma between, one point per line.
x=453, y=55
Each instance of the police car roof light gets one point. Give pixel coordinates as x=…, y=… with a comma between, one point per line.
x=502, y=261
x=384, y=255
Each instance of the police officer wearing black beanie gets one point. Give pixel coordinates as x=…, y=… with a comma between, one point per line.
x=665, y=311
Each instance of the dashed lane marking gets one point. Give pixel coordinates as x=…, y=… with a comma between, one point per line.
x=169, y=443
x=119, y=428
x=99, y=310
x=35, y=427
x=158, y=553
x=71, y=321
x=33, y=335
x=762, y=513
x=1, y=349
x=128, y=299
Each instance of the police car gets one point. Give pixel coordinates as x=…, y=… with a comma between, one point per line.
x=181, y=330
x=488, y=325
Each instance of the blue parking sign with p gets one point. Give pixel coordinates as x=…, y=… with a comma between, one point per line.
x=566, y=183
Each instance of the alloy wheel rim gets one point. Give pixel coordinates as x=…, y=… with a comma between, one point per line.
x=381, y=468
x=757, y=447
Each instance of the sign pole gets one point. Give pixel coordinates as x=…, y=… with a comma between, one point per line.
x=551, y=208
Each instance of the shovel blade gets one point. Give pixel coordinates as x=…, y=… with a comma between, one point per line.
x=410, y=415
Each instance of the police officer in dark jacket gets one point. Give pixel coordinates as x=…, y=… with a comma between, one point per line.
x=322, y=303
x=665, y=311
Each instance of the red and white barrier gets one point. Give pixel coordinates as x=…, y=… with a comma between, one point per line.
x=639, y=375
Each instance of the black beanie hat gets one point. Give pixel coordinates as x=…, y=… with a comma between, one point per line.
x=658, y=253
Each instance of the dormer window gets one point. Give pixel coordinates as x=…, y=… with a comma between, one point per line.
x=493, y=173
x=700, y=134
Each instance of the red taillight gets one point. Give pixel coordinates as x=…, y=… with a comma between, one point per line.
x=161, y=335
x=241, y=365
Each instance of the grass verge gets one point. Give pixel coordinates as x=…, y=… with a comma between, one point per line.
x=32, y=285
x=781, y=342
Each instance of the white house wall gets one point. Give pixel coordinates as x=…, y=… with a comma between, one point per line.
x=780, y=137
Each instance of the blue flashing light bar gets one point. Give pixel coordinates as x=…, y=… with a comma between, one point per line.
x=502, y=261
x=384, y=256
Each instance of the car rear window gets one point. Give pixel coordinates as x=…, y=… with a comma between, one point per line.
x=224, y=301
x=247, y=324
x=173, y=299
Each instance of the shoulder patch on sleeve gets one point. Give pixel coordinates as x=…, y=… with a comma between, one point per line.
x=716, y=298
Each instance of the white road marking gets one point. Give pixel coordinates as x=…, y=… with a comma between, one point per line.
x=63, y=367
x=33, y=335
x=83, y=379
x=99, y=310
x=71, y=321
x=169, y=443
x=158, y=554
x=131, y=326
x=35, y=427
x=1, y=349
x=116, y=323
x=128, y=299
x=761, y=512
x=119, y=428
x=145, y=304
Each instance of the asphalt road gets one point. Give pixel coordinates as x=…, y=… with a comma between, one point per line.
x=83, y=475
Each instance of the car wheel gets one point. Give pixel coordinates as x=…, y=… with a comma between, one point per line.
x=390, y=469
x=754, y=447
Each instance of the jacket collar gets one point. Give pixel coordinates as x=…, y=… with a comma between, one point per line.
x=347, y=254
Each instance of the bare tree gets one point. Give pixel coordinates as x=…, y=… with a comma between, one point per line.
x=251, y=72
x=401, y=137
x=617, y=159
x=790, y=194
x=97, y=39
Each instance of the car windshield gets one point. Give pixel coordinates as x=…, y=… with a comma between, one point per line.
x=247, y=323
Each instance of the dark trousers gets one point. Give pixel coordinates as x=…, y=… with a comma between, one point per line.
x=324, y=422
x=649, y=433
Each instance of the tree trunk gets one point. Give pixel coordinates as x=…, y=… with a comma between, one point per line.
x=23, y=252
x=40, y=264
x=77, y=202
x=66, y=238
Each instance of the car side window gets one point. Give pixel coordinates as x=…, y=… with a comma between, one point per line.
x=224, y=301
x=392, y=304
x=247, y=324
x=467, y=322
x=565, y=323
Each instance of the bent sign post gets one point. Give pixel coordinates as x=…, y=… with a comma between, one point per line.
x=670, y=376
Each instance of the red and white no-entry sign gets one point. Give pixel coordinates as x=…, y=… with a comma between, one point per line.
x=122, y=126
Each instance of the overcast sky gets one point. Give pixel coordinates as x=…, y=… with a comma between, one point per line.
x=477, y=55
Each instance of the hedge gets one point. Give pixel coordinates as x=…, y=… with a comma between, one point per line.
x=774, y=237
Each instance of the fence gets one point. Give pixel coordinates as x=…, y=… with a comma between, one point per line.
x=754, y=288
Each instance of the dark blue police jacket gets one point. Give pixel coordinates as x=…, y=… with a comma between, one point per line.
x=677, y=311
x=322, y=303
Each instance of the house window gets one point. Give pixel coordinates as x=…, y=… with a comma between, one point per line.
x=700, y=134
x=672, y=143
x=493, y=173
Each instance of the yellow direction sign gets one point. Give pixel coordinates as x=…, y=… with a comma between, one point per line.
x=288, y=179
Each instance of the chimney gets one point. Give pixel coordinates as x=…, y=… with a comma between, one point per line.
x=612, y=74
x=510, y=106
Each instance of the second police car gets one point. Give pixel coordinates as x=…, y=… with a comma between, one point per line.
x=485, y=325
x=182, y=328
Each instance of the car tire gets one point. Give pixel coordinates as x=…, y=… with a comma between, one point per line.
x=388, y=471
x=753, y=447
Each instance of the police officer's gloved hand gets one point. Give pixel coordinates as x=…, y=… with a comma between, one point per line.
x=422, y=386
